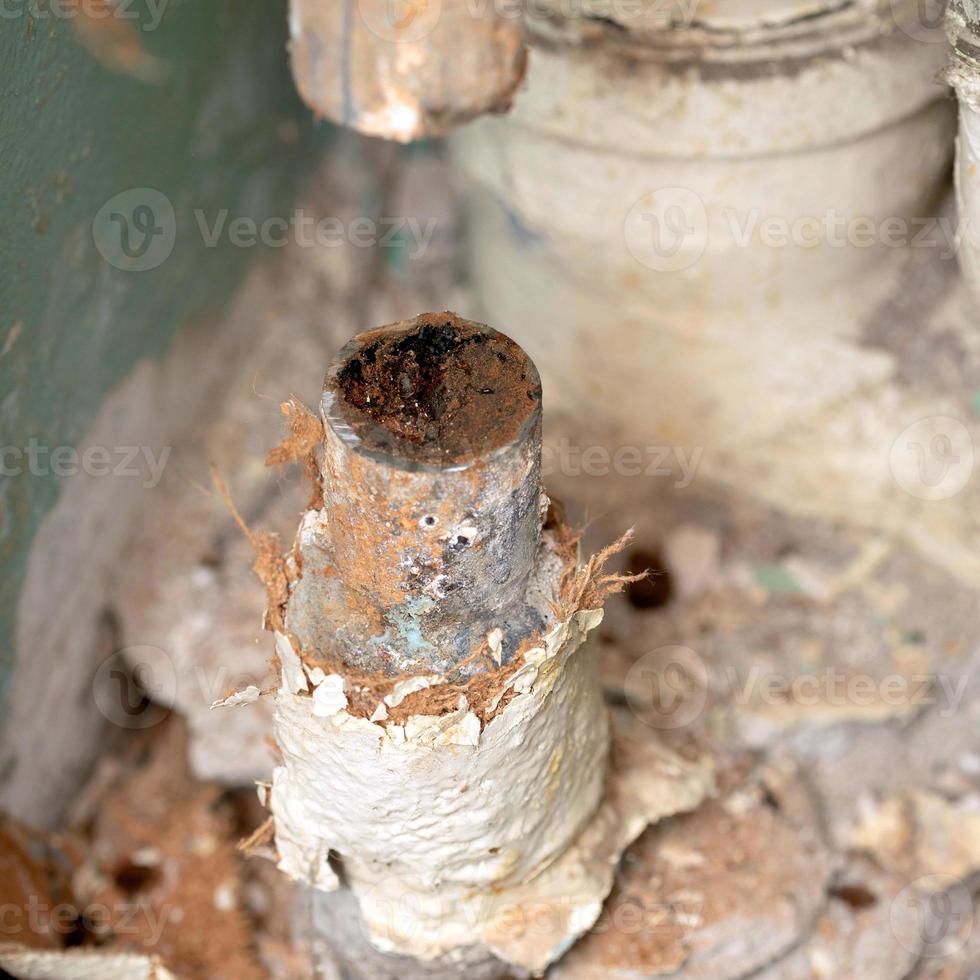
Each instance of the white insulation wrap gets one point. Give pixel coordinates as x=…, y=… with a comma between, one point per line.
x=445, y=830
x=450, y=802
x=436, y=802
x=436, y=797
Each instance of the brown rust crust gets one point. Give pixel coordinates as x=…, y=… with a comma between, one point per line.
x=583, y=586
x=365, y=690
x=304, y=439
x=305, y=434
x=437, y=390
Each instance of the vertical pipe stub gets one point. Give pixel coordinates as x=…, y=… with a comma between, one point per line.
x=432, y=491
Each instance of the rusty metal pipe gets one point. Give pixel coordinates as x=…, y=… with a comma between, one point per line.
x=432, y=490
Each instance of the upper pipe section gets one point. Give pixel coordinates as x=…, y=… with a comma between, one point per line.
x=406, y=70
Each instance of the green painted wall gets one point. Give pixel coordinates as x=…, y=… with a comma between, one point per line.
x=193, y=99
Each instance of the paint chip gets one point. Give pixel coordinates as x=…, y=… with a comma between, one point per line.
x=328, y=696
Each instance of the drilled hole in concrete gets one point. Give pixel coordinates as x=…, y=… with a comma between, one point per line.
x=657, y=588
x=212, y=560
x=77, y=933
x=133, y=878
x=769, y=799
x=854, y=895
x=241, y=809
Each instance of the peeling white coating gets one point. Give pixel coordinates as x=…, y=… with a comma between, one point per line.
x=293, y=675
x=403, y=688
x=495, y=640
x=328, y=696
x=436, y=807
x=531, y=924
x=249, y=695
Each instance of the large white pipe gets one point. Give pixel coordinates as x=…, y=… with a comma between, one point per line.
x=696, y=228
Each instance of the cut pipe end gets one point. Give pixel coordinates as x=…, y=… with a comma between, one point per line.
x=435, y=391
x=431, y=478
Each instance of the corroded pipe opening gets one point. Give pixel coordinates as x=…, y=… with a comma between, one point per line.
x=440, y=391
x=433, y=504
